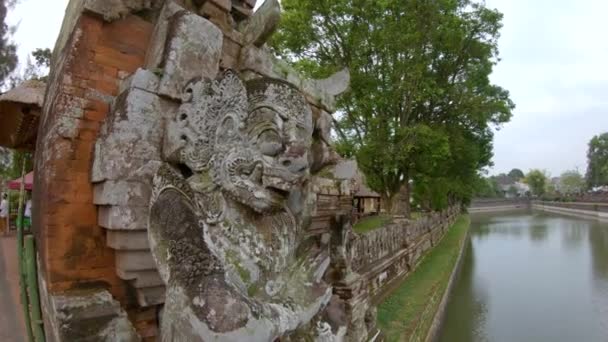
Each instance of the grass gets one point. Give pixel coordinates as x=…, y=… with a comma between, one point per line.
x=407, y=314
x=367, y=224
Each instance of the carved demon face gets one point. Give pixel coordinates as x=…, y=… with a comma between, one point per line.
x=276, y=137
x=253, y=141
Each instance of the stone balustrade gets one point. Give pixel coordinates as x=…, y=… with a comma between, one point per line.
x=390, y=252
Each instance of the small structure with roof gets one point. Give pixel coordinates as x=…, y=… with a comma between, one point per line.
x=367, y=201
x=20, y=110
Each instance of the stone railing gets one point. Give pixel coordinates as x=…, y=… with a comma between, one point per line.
x=598, y=210
x=367, y=249
x=389, y=253
x=601, y=207
x=498, y=204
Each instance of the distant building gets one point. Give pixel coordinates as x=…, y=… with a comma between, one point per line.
x=511, y=188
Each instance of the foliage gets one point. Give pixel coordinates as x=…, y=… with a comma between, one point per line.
x=597, y=161
x=16, y=166
x=42, y=57
x=516, y=174
x=37, y=70
x=408, y=312
x=537, y=180
x=512, y=190
x=487, y=188
x=8, y=49
x=571, y=182
x=421, y=106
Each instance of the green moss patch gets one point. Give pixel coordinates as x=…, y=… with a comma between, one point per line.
x=407, y=314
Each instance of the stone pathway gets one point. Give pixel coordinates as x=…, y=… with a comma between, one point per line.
x=12, y=327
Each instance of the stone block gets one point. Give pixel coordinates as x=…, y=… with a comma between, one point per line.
x=193, y=51
x=154, y=55
x=150, y=296
x=123, y=217
x=112, y=10
x=141, y=79
x=262, y=24
x=146, y=279
x=89, y=316
x=132, y=135
x=131, y=261
x=217, y=15
x=127, y=240
x=122, y=193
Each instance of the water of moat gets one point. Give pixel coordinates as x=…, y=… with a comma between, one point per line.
x=531, y=276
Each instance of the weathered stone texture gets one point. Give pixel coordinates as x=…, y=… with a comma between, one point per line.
x=107, y=127
x=193, y=52
x=88, y=316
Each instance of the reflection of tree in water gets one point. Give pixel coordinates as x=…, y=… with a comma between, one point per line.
x=573, y=233
x=598, y=241
x=539, y=232
x=512, y=225
x=466, y=310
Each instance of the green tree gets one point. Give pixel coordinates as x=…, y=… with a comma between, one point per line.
x=8, y=49
x=537, y=181
x=487, y=188
x=18, y=157
x=571, y=182
x=597, y=161
x=516, y=174
x=421, y=106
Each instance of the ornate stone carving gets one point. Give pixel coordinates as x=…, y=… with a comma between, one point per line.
x=228, y=213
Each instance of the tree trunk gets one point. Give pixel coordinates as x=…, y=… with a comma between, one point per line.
x=401, y=201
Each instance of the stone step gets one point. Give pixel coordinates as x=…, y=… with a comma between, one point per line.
x=127, y=240
x=130, y=261
x=142, y=279
x=150, y=296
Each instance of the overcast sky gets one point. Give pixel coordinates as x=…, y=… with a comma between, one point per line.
x=554, y=55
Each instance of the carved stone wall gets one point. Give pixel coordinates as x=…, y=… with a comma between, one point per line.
x=120, y=69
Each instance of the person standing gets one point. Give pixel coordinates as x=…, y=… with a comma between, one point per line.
x=27, y=222
x=3, y=214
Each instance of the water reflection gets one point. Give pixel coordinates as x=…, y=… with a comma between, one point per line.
x=466, y=327
x=531, y=277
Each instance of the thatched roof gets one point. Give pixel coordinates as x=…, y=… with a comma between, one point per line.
x=364, y=191
x=28, y=92
x=19, y=114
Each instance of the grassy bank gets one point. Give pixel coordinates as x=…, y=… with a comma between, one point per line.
x=408, y=312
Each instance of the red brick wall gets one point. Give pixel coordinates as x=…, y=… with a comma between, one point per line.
x=72, y=246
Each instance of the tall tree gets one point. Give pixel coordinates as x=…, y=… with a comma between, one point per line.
x=421, y=106
x=537, y=180
x=8, y=49
x=597, y=161
x=516, y=174
x=571, y=182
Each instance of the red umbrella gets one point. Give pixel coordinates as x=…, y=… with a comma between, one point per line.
x=15, y=184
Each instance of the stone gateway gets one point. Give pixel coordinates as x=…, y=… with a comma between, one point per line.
x=186, y=185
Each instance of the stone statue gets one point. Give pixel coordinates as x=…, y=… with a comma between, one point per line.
x=228, y=213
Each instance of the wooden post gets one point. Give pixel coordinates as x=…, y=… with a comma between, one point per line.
x=32, y=289
x=20, y=259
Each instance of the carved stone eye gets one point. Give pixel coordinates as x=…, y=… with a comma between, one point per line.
x=270, y=143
